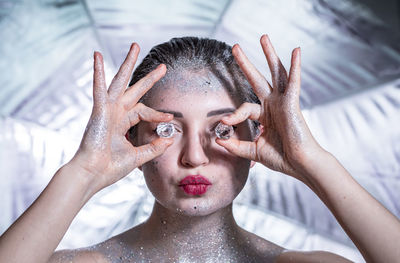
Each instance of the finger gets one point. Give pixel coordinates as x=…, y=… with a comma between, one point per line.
x=278, y=72
x=99, y=80
x=245, y=111
x=151, y=150
x=295, y=74
x=244, y=149
x=144, y=113
x=260, y=85
x=135, y=92
x=121, y=79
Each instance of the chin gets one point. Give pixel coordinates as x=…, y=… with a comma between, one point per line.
x=199, y=211
x=197, y=206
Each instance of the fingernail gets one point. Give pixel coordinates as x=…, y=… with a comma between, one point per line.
x=98, y=54
x=220, y=141
x=168, y=141
x=133, y=46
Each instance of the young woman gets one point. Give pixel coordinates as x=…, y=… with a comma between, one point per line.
x=194, y=176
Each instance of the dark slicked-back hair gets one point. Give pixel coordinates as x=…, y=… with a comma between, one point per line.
x=197, y=54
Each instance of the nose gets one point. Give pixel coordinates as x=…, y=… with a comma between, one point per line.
x=193, y=154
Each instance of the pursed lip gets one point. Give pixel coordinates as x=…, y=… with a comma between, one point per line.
x=194, y=179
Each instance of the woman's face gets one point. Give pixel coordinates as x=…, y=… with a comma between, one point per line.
x=198, y=104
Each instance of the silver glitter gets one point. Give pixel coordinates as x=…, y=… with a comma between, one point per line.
x=165, y=129
x=223, y=131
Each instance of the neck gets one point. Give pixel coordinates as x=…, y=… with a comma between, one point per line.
x=191, y=235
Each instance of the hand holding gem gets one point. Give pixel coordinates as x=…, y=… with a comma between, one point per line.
x=104, y=151
x=286, y=143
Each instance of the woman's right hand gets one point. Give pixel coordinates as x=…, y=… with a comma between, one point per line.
x=104, y=153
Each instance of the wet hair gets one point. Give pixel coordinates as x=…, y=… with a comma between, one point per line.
x=198, y=54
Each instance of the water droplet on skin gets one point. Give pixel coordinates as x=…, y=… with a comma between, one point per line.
x=223, y=131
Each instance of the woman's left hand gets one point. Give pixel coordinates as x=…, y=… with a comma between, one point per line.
x=285, y=143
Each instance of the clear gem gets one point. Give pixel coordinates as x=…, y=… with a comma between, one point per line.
x=223, y=131
x=165, y=129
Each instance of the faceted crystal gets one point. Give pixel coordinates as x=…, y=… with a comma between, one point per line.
x=223, y=131
x=165, y=129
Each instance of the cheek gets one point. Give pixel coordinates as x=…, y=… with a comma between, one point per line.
x=241, y=172
x=163, y=166
x=236, y=167
x=151, y=175
x=155, y=173
x=151, y=168
x=144, y=134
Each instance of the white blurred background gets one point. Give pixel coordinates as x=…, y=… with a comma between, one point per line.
x=350, y=98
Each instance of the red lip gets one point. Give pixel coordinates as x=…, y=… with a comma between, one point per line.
x=194, y=179
x=194, y=184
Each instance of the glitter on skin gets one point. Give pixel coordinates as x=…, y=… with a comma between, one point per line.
x=224, y=245
x=205, y=231
x=201, y=229
x=187, y=81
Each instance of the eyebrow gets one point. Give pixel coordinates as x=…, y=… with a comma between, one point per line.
x=178, y=114
x=220, y=111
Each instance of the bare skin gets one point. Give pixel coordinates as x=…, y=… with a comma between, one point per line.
x=288, y=146
x=285, y=145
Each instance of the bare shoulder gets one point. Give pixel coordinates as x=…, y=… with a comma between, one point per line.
x=259, y=248
x=108, y=251
x=86, y=255
x=309, y=257
x=114, y=250
x=267, y=251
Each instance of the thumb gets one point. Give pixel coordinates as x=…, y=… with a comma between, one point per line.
x=151, y=150
x=244, y=149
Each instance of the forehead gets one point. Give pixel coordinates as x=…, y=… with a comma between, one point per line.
x=196, y=90
x=186, y=80
x=194, y=103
